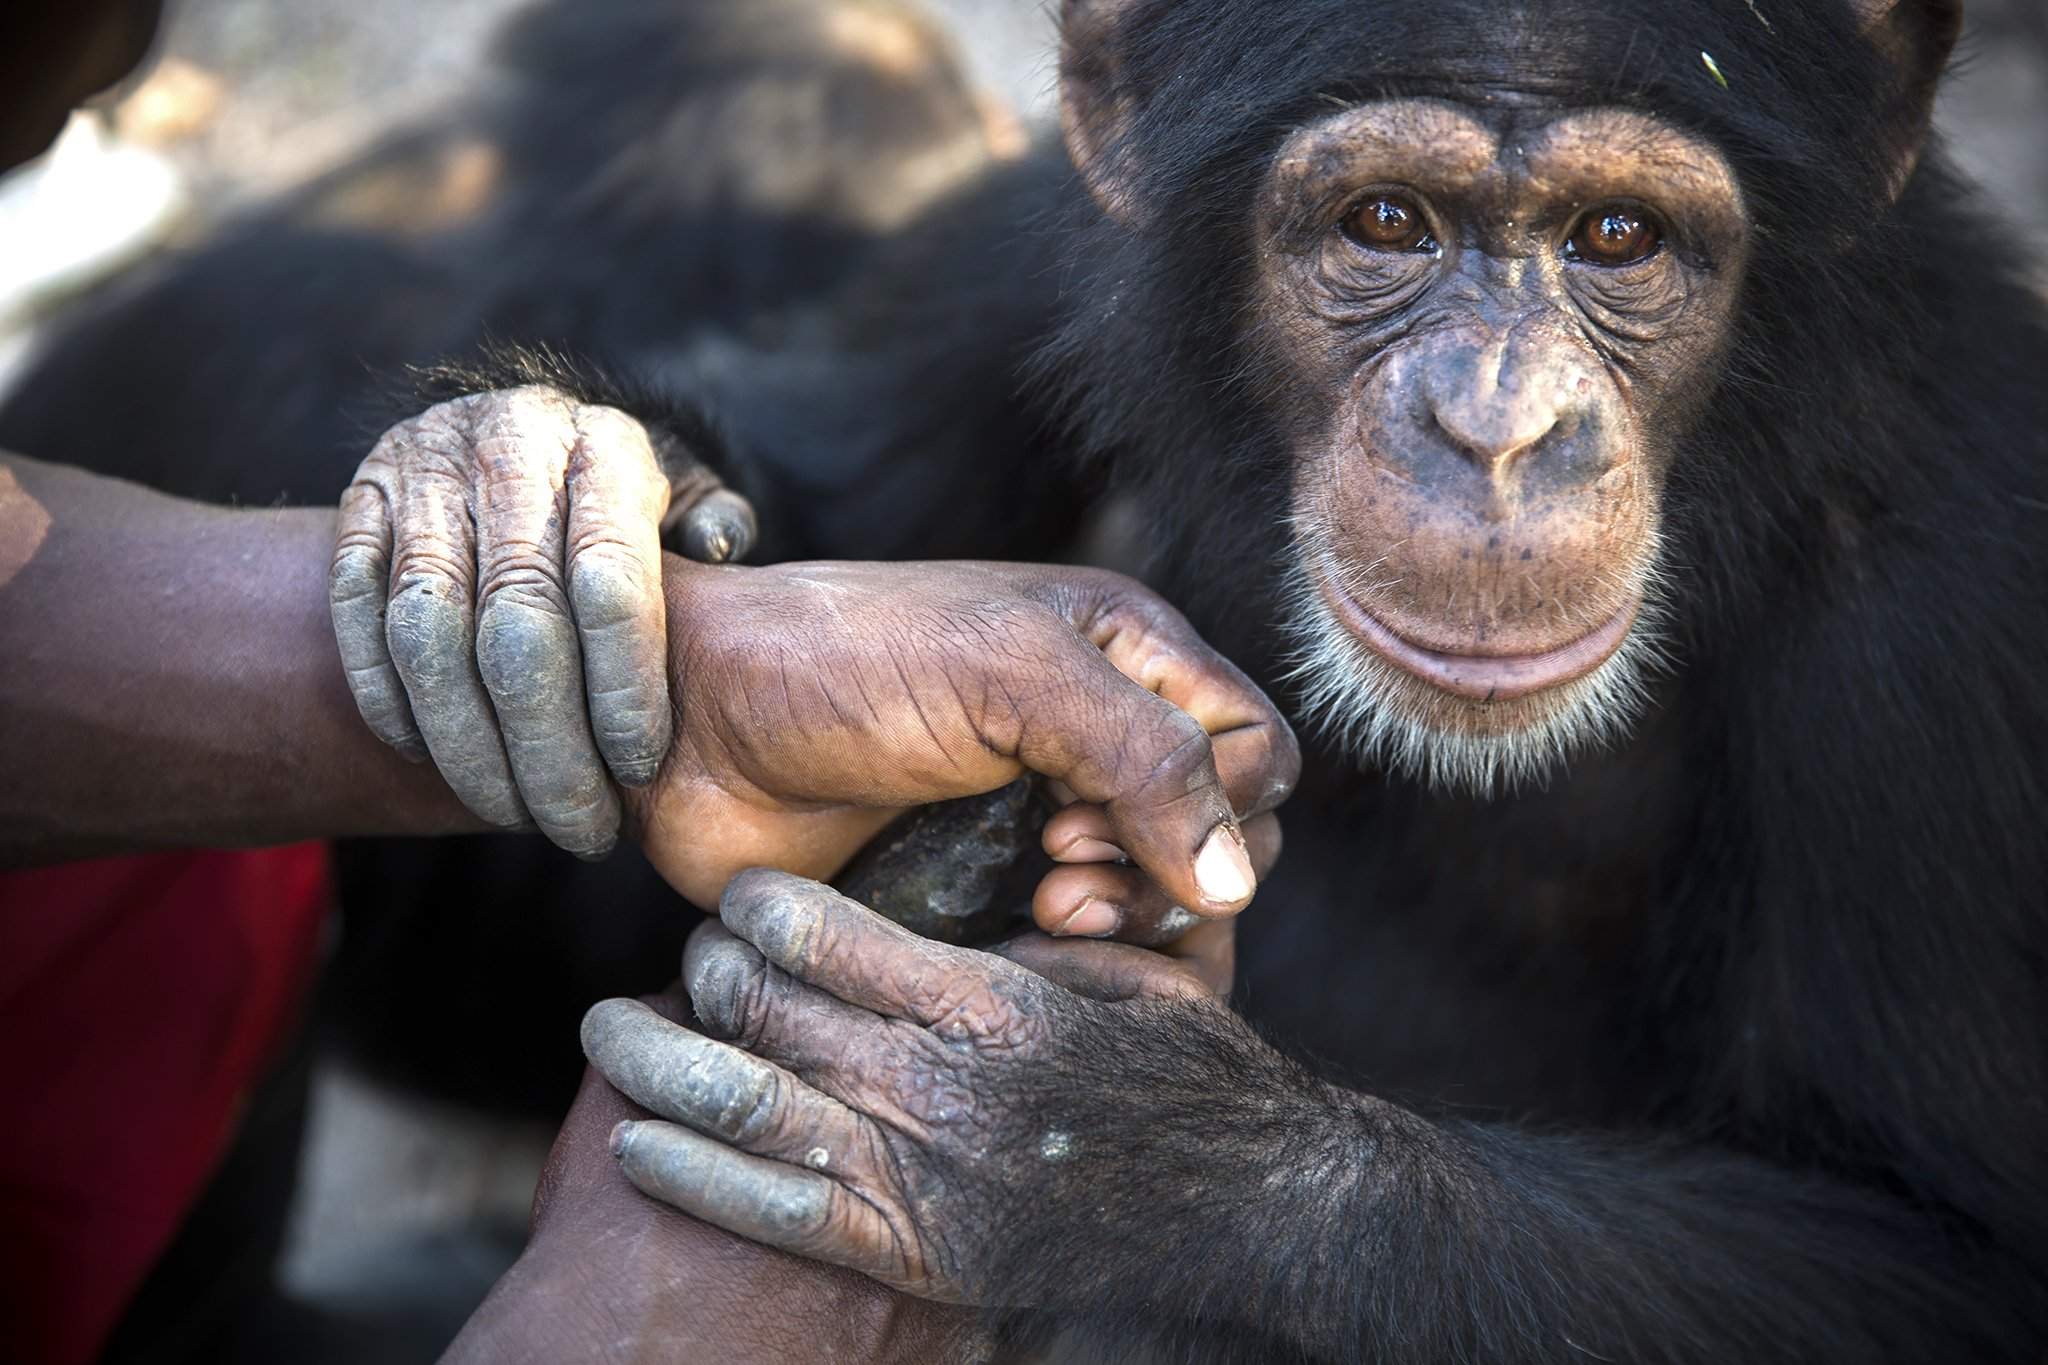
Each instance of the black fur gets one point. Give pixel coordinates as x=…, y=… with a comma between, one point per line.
x=1734, y=1042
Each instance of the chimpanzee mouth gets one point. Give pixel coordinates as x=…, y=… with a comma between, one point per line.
x=1469, y=723
x=1483, y=677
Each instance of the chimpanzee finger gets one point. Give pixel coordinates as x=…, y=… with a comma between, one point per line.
x=526, y=644
x=764, y=1201
x=617, y=495
x=718, y=528
x=1106, y=899
x=358, y=583
x=820, y=937
x=851, y=1054
x=1107, y=971
x=430, y=629
x=718, y=1089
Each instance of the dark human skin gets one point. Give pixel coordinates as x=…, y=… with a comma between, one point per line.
x=1718, y=1040
x=610, y=1276
x=233, y=734
x=172, y=679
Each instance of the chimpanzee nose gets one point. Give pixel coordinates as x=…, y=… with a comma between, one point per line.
x=1507, y=402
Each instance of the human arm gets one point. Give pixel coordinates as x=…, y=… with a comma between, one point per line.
x=608, y=1276
x=1132, y=1162
x=171, y=678
x=502, y=601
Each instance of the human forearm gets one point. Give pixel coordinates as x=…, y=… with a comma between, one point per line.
x=171, y=678
x=609, y=1276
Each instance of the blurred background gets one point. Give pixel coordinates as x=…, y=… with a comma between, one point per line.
x=408, y=1209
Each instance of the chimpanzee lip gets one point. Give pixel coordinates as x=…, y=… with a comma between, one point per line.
x=1485, y=677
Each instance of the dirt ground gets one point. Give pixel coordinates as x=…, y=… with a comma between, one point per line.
x=407, y=1212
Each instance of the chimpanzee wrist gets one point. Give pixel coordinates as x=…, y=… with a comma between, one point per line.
x=1217, y=1139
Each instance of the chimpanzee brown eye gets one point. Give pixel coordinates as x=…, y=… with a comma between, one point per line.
x=1387, y=222
x=1613, y=235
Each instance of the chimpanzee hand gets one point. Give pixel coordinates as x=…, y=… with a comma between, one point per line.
x=816, y=701
x=498, y=560
x=934, y=1116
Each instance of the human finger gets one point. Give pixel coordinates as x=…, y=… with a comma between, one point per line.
x=1101, y=899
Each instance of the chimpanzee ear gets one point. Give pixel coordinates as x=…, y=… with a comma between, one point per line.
x=1097, y=102
x=1916, y=37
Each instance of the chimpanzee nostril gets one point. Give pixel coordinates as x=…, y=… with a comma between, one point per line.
x=1494, y=435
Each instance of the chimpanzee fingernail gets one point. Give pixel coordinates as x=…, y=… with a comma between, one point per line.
x=1086, y=850
x=1223, y=869
x=1093, y=920
x=622, y=1133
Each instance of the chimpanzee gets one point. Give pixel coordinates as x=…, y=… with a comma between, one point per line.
x=1623, y=439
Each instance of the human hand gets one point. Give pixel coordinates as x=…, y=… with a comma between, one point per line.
x=608, y=1276
x=817, y=701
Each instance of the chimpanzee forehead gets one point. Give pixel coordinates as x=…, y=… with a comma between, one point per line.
x=1223, y=82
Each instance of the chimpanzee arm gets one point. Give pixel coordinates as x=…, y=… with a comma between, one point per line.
x=1118, y=1157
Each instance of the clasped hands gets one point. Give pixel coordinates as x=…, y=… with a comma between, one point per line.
x=503, y=607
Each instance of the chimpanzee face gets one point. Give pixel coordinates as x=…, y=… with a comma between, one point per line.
x=1494, y=322
x=1470, y=274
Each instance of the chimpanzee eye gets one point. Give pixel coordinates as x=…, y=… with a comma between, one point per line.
x=1387, y=222
x=1613, y=235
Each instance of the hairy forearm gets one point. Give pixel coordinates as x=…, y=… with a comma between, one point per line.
x=1472, y=1242
x=171, y=678
x=1357, y=1230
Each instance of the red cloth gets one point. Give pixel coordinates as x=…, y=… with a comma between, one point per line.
x=140, y=1000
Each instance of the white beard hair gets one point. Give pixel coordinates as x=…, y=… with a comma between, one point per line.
x=1379, y=716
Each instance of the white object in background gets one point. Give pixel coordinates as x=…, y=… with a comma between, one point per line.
x=83, y=208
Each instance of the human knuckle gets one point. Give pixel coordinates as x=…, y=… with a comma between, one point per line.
x=1177, y=753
